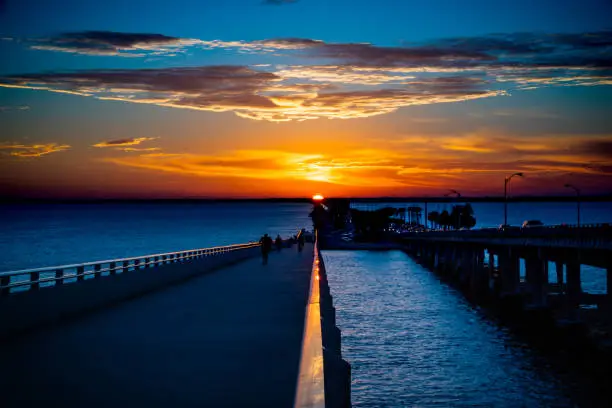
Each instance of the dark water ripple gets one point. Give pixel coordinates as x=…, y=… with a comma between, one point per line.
x=414, y=342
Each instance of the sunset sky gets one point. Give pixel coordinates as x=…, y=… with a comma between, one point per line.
x=252, y=98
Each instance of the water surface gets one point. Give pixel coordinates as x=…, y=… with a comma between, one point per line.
x=57, y=234
x=413, y=341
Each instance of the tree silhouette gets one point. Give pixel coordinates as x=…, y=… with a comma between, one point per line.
x=462, y=216
x=434, y=218
x=445, y=220
x=372, y=223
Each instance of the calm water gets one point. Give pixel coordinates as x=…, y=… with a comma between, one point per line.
x=46, y=235
x=413, y=341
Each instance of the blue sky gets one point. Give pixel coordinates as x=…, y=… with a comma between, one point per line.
x=345, y=97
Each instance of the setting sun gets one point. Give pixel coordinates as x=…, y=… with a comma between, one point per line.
x=317, y=197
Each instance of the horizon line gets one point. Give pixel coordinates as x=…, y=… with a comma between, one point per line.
x=496, y=198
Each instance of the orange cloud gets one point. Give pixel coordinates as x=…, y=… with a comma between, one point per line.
x=132, y=141
x=35, y=150
x=425, y=162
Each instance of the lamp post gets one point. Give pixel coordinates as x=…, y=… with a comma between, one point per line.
x=577, y=190
x=506, y=181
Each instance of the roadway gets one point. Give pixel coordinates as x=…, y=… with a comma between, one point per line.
x=230, y=338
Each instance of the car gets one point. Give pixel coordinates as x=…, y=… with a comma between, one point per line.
x=532, y=223
x=508, y=228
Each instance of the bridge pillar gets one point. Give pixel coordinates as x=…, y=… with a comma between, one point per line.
x=609, y=284
x=433, y=253
x=536, y=274
x=559, y=272
x=426, y=255
x=436, y=260
x=461, y=265
x=509, y=271
x=574, y=289
x=491, y=270
x=450, y=260
x=444, y=259
x=478, y=280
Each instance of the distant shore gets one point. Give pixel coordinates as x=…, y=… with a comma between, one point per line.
x=479, y=199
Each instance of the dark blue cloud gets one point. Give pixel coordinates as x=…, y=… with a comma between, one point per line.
x=112, y=43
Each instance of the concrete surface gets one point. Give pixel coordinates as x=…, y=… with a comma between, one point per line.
x=231, y=338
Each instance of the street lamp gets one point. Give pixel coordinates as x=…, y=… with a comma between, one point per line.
x=506, y=181
x=453, y=192
x=577, y=190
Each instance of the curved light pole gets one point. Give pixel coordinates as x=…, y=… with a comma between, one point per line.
x=453, y=192
x=506, y=181
x=577, y=190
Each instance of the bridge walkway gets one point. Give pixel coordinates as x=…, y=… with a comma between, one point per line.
x=230, y=338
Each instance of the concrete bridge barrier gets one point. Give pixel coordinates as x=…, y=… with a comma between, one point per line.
x=324, y=379
x=21, y=311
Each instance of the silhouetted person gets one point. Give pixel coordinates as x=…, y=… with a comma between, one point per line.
x=266, y=247
x=278, y=242
x=301, y=240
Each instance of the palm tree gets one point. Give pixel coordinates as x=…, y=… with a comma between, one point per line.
x=434, y=218
x=445, y=219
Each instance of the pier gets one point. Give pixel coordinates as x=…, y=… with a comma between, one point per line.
x=532, y=278
x=555, y=313
x=205, y=327
x=462, y=254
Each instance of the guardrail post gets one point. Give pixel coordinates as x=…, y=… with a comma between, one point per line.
x=80, y=270
x=59, y=277
x=34, y=278
x=4, y=282
x=573, y=288
x=609, y=283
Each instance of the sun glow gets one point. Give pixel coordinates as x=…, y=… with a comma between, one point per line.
x=318, y=197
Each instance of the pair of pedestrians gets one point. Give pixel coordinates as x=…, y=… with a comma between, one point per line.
x=266, y=246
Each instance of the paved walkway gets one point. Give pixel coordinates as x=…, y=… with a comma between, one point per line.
x=231, y=338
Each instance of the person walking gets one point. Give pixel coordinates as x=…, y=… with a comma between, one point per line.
x=266, y=246
x=278, y=242
x=301, y=240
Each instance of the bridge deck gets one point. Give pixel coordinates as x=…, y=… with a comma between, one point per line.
x=225, y=339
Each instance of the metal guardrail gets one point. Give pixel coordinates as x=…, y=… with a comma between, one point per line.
x=584, y=232
x=35, y=279
x=310, y=391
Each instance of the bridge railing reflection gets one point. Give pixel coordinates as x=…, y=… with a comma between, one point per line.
x=310, y=391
